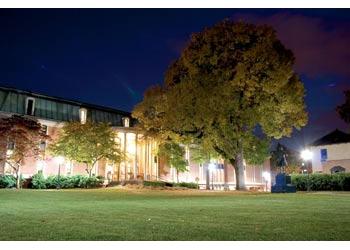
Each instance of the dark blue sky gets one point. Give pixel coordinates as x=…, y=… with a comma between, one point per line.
x=110, y=56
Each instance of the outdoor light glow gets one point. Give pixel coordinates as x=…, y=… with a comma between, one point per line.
x=306, y=155
x=59, y=159
x=40, y=165
x=212, y=166
x=266, y=176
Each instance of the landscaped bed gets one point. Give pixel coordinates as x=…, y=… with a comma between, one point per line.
x=132, y=214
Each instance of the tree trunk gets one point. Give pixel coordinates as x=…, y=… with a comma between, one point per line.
x=177, y=176
x=207, y=178
x=18, y=178
x=226, y=187
x=239, y=169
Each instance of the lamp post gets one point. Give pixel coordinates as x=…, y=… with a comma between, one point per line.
x=59, y=160
x=212, y=168
x=267, y=178
x=306, y=155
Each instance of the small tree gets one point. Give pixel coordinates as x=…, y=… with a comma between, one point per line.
x=88, y=143
x=173, y=154
x=20, y=138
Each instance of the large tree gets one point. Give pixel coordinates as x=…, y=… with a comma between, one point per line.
x=230, y=81
x=20, y=138
x=87, y=143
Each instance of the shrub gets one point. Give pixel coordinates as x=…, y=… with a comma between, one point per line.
x=38, y=181
x=92, y=182
x=7, y=181
x=154, y=184
x=322, y=182
x=190, y=185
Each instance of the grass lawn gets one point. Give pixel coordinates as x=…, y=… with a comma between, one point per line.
x=115, y=214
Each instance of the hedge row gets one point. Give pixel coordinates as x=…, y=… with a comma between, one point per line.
x=322, y=182
x=190, y=185
x=76, y=181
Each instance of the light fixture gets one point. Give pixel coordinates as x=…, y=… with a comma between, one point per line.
x=306, y=154
x=59, y=159
x=266, y=176
x=212, y=166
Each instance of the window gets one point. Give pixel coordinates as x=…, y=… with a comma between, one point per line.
x=30, y=104
x=82, y=115
x=42, y=146
x=126, y=122
x=337, y=169
x=10, y=146
x=324, y=154
x=44, y=129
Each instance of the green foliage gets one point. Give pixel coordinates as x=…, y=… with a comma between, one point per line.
x=190, y=185
x=173, y=154
x=76, y=181
x=38, y=181
x=322, y=182
x=256, y=150
x=202, y=154
x=229, y=80
x=88, y=143
x=7, y=181
x=154, y=184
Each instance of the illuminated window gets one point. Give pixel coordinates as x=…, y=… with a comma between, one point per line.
x=126, y=122
x=30, y=104
x=82, y=115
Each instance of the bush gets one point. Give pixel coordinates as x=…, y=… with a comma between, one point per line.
x=92, y=182
x=322, y=182
x=154, y=184
x=38, y=181
x=76, y=181
x=190, y=185
x=7, y=181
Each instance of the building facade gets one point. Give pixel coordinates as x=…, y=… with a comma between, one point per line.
x=331, y=153
x=141, y=161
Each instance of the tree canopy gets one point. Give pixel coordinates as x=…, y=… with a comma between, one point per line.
x=20, y=138
x=229, y=80
x=87, y=143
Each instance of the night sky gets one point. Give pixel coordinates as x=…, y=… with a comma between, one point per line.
x=110, y=56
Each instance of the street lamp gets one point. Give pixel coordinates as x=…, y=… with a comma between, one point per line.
x=212, y=167
x=267, y=178
x=306, y=155
x=59, y=160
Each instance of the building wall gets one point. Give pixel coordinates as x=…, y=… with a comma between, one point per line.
x=198, y=173
x=338, y=154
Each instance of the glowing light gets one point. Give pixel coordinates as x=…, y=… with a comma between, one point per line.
x=306, y=155
x=266, y=176
x=59, y=159
x=82, y=115
x=40, y=165
x=212, y=166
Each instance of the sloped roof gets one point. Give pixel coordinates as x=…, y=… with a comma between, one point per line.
x=333, y=137
x=13, y=100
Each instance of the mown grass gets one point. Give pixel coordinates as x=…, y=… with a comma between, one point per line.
x=114, y=214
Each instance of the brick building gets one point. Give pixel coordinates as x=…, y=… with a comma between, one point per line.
x=142, y=161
